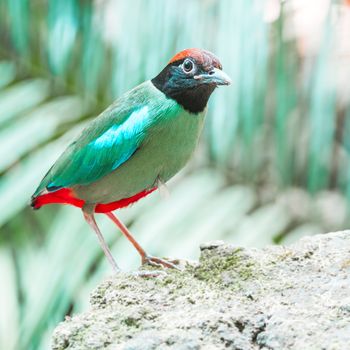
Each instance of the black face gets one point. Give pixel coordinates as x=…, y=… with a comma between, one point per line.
x=190, y=82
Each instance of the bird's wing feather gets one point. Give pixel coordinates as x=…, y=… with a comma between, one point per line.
x=104, y=145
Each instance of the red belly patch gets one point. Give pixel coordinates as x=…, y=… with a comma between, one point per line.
x=66, y=196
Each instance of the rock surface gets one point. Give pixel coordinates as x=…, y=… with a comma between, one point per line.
x=295, y=297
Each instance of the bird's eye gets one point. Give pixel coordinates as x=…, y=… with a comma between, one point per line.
x=188, y=66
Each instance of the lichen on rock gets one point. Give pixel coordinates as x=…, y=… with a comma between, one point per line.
x=295, y=297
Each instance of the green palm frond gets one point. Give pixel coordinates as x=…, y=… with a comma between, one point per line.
x=273, y=160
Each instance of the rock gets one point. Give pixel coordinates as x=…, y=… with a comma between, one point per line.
x=295, y=297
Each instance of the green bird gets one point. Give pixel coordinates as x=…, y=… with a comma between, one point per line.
x=138, y=143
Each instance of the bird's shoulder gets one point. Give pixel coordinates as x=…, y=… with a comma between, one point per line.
x=116, y=114
x=129, y=115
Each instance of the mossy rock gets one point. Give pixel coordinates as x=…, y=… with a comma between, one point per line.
x=295, y=297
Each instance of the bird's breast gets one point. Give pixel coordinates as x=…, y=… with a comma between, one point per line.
x=173, y=144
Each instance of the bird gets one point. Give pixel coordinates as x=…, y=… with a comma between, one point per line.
x=135, y=145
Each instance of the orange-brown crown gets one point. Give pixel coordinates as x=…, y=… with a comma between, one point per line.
x=202, y=57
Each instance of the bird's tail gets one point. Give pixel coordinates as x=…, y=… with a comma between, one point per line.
x=34, y=202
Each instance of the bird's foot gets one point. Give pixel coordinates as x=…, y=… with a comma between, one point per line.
x=159, y=262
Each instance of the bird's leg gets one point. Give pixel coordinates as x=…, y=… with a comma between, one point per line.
x=127, y=234
x=145, y=258
x=90, y=219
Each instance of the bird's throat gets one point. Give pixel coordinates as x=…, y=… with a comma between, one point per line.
x=194, y=99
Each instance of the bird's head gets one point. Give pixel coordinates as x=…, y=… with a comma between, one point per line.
x=190, y=77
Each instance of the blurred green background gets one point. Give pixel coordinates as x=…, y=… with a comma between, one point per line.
x=272, y=166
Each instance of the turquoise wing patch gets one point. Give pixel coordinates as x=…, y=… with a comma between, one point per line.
x=96, y=154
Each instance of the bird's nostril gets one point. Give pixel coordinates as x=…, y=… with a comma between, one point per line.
x=211, y=72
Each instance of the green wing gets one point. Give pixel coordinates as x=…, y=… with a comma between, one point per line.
x=105, y=144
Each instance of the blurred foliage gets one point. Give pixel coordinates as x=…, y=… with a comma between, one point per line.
x=273, y=164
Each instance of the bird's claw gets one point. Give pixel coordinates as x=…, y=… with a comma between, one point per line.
x=159, y=262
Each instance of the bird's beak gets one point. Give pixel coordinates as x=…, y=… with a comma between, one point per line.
x=214, y=76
